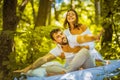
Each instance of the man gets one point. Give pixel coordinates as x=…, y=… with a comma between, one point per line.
x=77, y=56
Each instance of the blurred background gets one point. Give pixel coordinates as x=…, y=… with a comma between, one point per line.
x=25, y=27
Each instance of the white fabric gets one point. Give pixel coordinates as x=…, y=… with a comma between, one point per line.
x=81, y=59
x=72, y=39
x=57, y=52
x=72, y=42
x=40, y=72
x=98, y=73
x=48, y=67
x=53, y=67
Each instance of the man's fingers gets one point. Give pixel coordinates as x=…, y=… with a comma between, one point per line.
x=18, y=71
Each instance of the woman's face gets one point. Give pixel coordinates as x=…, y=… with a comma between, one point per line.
x=71, y=17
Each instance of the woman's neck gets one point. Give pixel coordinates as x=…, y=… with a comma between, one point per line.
x=65, y=45
x=71, y=26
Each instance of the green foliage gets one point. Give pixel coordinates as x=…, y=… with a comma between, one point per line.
x=32, y=44
x=110, y=17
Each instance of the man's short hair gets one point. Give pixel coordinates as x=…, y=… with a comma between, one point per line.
x=54, y=31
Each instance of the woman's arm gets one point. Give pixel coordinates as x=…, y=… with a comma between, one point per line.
x=89, y=37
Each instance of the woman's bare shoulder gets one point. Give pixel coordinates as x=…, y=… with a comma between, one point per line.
x=83, y=27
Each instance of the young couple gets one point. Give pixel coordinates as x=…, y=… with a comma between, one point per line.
x=76, y=43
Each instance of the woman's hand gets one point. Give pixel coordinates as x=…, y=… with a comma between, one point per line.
x=100, y=34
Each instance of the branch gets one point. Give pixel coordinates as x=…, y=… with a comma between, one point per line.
x=23, y=4
x=34, y=16
x=27, y=21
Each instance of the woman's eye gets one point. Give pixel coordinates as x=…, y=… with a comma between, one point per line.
x=68, y=15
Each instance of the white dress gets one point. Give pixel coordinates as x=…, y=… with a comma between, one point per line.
x=93, y=52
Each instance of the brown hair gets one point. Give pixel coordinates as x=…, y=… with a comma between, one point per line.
x=76, y=25
x=54, y=31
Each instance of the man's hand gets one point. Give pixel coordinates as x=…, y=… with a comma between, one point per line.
x=25, y=70
x=62, y=56
x=20, y=71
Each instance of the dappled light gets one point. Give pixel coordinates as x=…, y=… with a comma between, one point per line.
x=25, y=30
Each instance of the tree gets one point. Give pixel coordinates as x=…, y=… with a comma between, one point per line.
x=110, y=14
x=42, y=12
x=97, y=11
x=10, y=21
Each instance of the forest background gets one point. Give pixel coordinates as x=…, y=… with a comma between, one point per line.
x=25, y=27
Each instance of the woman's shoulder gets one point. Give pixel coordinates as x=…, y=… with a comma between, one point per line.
x=67, y=32
x=83, y=27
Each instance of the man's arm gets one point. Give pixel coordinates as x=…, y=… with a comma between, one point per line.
x=40, y=61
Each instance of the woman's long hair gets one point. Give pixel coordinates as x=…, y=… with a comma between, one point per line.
x=66, y=23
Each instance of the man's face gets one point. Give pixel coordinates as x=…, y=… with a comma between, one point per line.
x=60, y=38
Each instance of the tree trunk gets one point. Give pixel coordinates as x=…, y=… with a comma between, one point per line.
x=32, y=4
x=97, y=11
x=106, y=13
x=42, y=13
x=10, y=21
x=49, y=13
x=108, y=9
x=6, y=36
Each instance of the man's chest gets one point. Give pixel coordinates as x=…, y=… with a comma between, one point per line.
x=69, y=49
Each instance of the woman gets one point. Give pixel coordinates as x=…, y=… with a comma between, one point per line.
x=75, y=28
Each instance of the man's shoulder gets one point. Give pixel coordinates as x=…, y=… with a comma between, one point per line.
x=57, y=47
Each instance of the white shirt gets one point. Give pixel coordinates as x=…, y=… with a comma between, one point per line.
x=58, y=50
x=72, y=39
